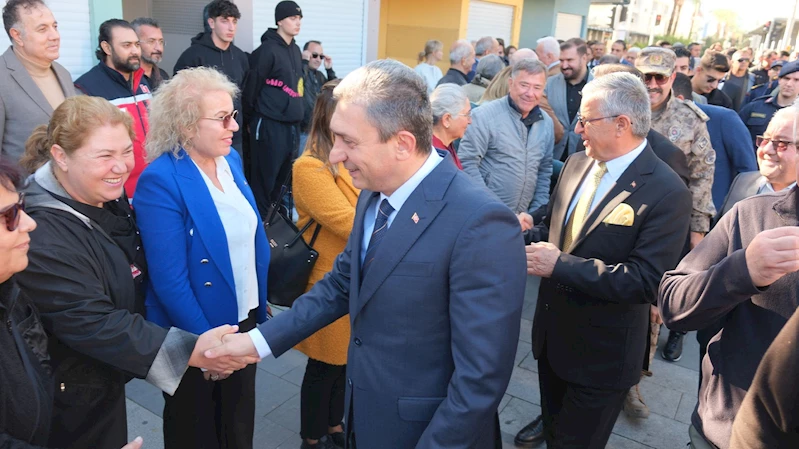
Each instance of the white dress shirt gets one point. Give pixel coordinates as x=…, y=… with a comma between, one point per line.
x=766, y=187
x=615, y=168
x=396, y=200
x=240, y=223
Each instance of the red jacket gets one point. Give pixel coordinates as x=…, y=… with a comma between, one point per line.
x=133, y=97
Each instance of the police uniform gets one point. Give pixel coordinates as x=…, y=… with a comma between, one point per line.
x=758, y=113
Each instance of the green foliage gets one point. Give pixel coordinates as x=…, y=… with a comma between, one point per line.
x=663, y=37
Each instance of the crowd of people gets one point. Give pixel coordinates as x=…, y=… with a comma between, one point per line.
x=645, y=186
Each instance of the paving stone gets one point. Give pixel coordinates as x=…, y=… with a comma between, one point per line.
x=143, y=423
x=674, y=377
x=146, y=395
x=524, y=385
x=288, y=414
x=690, y=350
x=522, y=350
x=271, y=392
x=517, y=414
x=270, y=435
x=686, y=408
x=528, y=313
x=660, y=400
x=295, y=376
x=525, y=333
x=502, y=403
x=529, y=363
x=619, y=442
x=657, y=431
x=283, y=364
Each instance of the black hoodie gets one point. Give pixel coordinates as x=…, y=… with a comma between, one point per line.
x=274, y=86
x=232, y=62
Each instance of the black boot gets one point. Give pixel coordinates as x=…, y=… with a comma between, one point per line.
x=531, y=435
x=672, y=352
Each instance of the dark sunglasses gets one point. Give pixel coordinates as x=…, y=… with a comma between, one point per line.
x=659, y=78
x=225, y=120
x=318, y=55
x=780, y=145
x=12, y=214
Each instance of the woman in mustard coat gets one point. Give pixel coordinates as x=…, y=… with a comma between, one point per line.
x=325, y=194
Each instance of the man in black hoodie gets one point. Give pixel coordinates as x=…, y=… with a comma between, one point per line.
x=215, y=49
x=274, y=94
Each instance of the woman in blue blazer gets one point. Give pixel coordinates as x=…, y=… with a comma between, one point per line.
x=206, y=249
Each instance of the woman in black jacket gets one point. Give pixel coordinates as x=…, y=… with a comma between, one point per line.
x=86, y=276
x=26, y=389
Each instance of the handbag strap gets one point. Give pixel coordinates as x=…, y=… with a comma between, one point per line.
x=302, y=231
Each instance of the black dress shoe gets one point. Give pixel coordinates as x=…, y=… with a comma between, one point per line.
x=531, y=435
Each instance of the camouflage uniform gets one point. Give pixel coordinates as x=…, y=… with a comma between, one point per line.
x=683, y=123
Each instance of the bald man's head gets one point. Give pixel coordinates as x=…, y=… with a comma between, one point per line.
x=523, y=53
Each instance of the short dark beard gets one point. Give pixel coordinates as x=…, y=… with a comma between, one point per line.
x=124, y=66
x=149, y=60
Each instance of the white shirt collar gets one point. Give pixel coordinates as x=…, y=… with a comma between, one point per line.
x=617, y=166
x=398, y=198
x=552, y=64
x=766, y=187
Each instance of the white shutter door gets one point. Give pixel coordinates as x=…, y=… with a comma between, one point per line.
x=338, y=25
x=568, y=26
x=489, y=19
x=74, y=25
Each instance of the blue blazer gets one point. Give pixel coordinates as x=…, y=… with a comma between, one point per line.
x=730, y=138
x=191, y=279
x=435, y=321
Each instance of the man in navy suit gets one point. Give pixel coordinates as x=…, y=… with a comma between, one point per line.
x=433, y=278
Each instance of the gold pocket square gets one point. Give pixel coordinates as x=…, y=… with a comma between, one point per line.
x=622, y=215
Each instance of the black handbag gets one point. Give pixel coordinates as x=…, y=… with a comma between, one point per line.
x=291, y=258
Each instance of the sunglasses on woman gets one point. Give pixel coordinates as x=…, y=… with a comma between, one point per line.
x=224, y=120
x=659, y=78
x=12, y=214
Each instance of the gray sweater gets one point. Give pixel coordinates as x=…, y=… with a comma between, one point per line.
x=712, y=282
x=499, y=152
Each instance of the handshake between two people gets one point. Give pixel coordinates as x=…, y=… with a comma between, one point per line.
x=221, y=351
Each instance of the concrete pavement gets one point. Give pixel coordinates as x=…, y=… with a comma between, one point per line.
x=670, y=394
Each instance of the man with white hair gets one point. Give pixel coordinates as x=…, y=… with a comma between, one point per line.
x=613, y=226
x=632, y=55
x=461, y=59
x=523, y=53
x=548, y=51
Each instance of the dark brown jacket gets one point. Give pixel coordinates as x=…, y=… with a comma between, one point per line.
x=713, y=282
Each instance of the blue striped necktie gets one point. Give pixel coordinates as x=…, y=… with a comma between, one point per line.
x=381, y=227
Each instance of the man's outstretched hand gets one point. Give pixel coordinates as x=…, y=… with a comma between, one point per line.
x=223, y=364
x=235, y=346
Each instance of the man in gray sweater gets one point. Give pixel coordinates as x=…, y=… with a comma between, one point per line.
x=508, y=146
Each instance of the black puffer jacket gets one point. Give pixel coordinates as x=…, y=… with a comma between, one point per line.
x=26, y=396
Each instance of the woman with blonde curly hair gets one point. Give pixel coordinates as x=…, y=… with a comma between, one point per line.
x=206, y=249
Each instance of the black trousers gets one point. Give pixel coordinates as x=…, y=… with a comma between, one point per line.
x=273, y=147
x=204, y=414
x=321, y=398
x=576, y=416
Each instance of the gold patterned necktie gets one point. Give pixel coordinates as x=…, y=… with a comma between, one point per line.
x=583, y=207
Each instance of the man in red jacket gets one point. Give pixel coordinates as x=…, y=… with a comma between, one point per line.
x=120, y=79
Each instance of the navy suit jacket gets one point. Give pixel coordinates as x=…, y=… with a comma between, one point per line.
x=435, y=322
x=191, y=278
x=730, y=138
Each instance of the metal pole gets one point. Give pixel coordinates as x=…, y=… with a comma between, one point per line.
x=787, y=38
